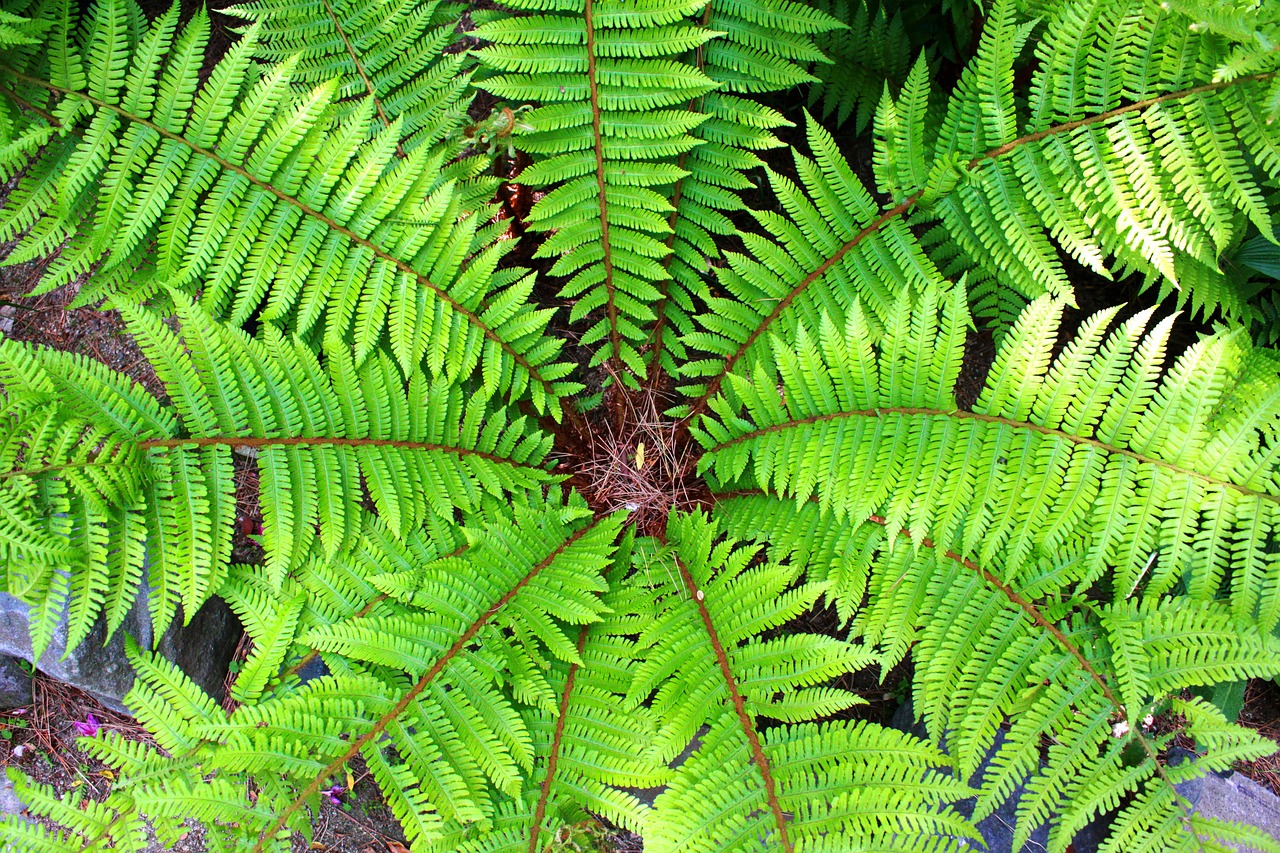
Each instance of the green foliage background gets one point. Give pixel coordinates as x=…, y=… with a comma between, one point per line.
x=301, y=234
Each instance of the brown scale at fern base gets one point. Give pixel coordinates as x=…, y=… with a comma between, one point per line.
x=626, y=454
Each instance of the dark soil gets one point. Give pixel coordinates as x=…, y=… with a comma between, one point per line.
x=41, y=740
x=1261, y=712
x=46, y=320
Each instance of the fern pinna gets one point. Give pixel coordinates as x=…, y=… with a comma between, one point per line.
x=301, y=234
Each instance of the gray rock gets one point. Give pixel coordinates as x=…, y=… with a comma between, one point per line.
x=1235, y=798
x=9, y=802
x=313, y=669
x=15, y=684
x=203, y=649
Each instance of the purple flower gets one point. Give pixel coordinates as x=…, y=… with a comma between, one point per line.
x=332, y=795
x=89, y=728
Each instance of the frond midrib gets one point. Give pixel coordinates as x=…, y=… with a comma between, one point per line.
x=758, y=756
x=360, y=69
x=472, y=317
x=399, y=708
x=961, y=414
x=909, y=203
x=287, y=441
x=322, y=441
x=557, y=741
x=597, y=144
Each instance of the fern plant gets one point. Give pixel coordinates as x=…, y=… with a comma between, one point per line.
x=541, y=580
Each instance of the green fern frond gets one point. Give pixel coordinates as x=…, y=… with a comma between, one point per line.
x=977, y=537
x=709, y=670
x=92, y=460
x=1169, y=479
x=1007, y=658
x=834, y=248
x=393, y=52
x=88, y=825
x=21, y=30
x=270, y=204
x=645, y=132
x=437, y=676
x=1066, y=563
x=764, y=46
x=1009, y=194
x=1129, y=147
x=611, y=88
x=22, y=39
x=874, y=52
x=1252, y=27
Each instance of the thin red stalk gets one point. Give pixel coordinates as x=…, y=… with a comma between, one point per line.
x=713, y=386
x=1110, y=114
x=320, y=441
x=740, y=706
x=557, y=739
x=360, y=69
x=960, y=414
x=306, y=209
x=422, y=683
x=611, y=308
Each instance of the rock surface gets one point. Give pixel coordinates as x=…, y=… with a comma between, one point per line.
x=9, y=802
x=15, y=684
x=1235, y=798
x=203, y=649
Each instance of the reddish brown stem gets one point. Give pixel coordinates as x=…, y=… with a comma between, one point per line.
x=713, y=386
x=960, y=414
x=740, y=706
x=422, y=683
x=360, y=69
x=321, y=441
x=611, y=307
x=557, y=739
x=1136, y=106
x=879, y=222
